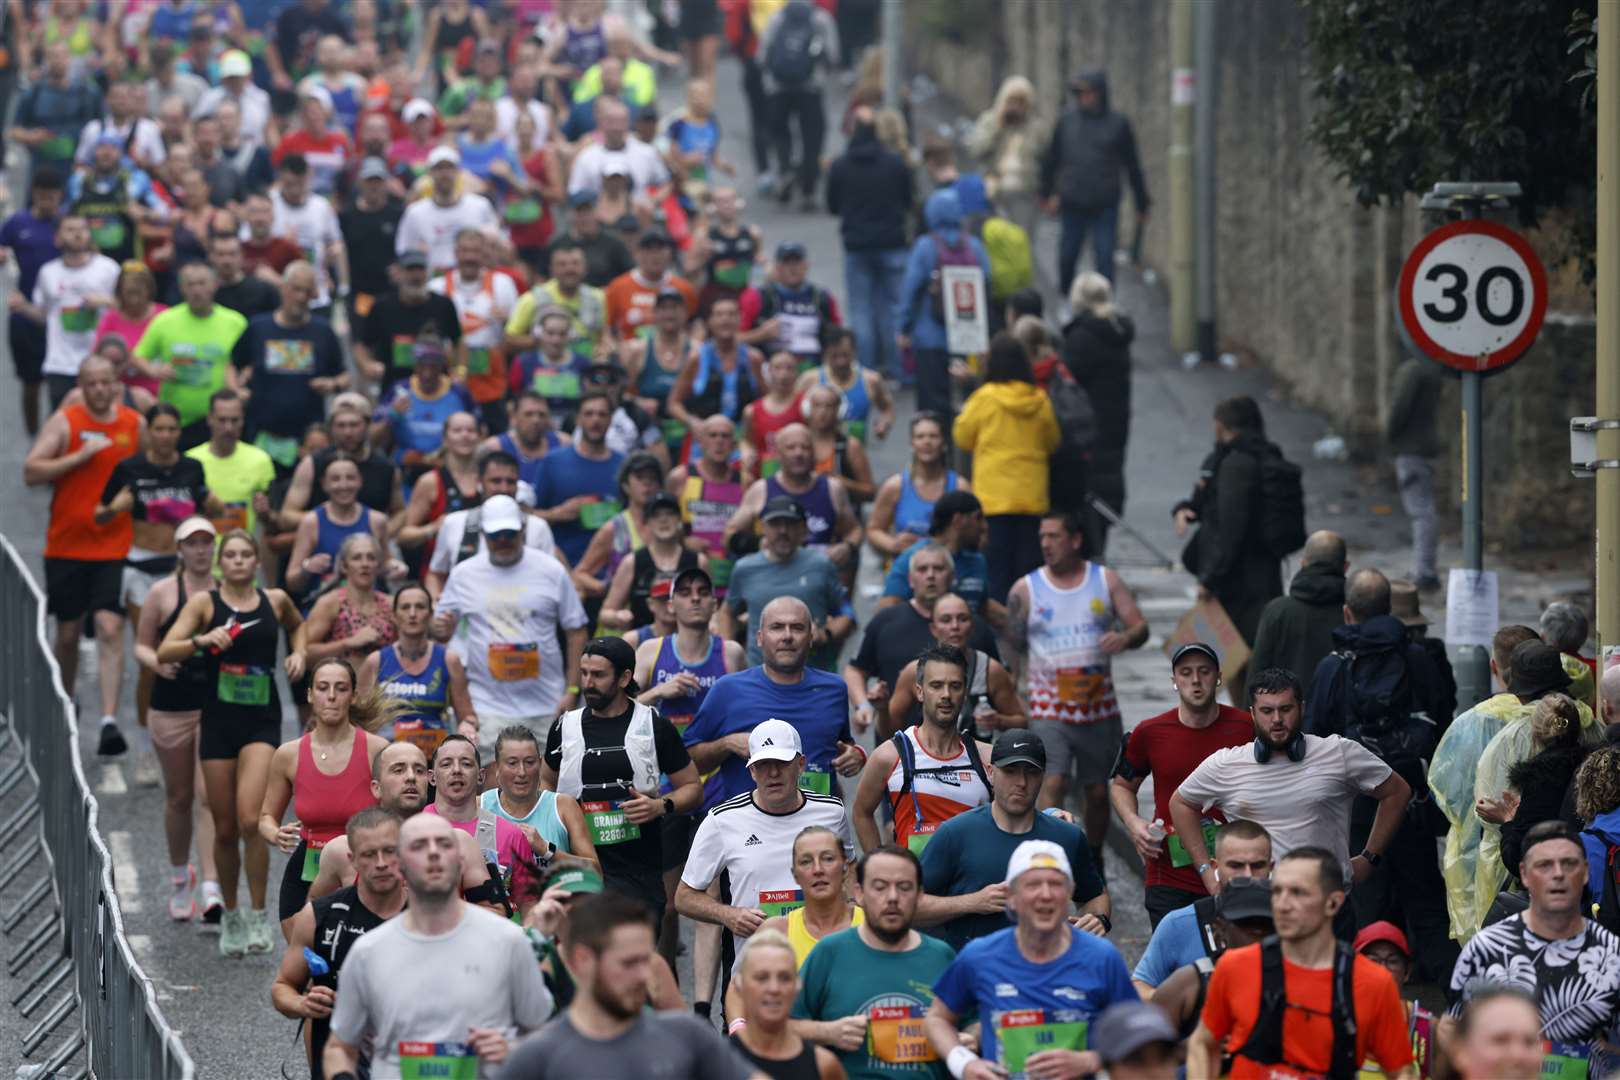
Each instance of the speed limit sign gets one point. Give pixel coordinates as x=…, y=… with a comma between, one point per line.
x=1473, y=295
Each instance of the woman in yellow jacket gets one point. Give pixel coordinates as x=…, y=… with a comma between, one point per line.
x=1009, y=428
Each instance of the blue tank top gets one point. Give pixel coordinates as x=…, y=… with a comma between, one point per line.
x=427, y=695
x=818, y=508
x=329, y=535
x=583, y=48
x=857, y=404
x=422, y=427
x=528, y=467
x=912, y=512
x=654, y=381
x=679, y=711
x=735, y=388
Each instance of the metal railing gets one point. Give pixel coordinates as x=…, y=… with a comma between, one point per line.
x=94, y=970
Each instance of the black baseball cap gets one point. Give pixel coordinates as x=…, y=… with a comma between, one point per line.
x=413, y=258
x=655, y=238
x=1018, y=748
x=791, y=249
x=669, y=293
x=691, y=571
x=782, y=506
x=662, y=501
x=1244, y=898
x=1194, y=647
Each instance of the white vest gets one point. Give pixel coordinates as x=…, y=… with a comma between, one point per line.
x=638, y=744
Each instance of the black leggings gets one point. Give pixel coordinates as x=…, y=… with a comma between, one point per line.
x=294, y=889
x=759, y=114
x=806, y=109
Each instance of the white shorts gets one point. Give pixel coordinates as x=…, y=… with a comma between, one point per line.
x=138, y=583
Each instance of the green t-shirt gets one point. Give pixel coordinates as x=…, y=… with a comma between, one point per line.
x=199, y=350
x=843, y=976
x=235, y=479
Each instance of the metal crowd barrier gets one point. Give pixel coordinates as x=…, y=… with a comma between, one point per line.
x=94, y=971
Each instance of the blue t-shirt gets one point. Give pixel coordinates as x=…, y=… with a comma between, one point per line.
x=693, y=137
x=817, y=706
x=971, y=851
x=971, y=583
x=420, y=428
x=478, y=158
x=810, y=575
x=993, y=982
x=565, y=473
x=1175, y=944
x=32, y=242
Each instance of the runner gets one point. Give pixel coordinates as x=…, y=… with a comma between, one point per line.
x=864, y=403
x=450, y=484
x=785, y=568
x=632, y=296
x=928, y=773
x=863, y=990
x=1241, y=916
x=566, y=289
x=904, y=506
x=30, y=237
x=70, y=292
x=794, y=314
x=836, y=452
x=421, y=406
x=310, y=222
x=461, y=533
x=236, y=625
x=780, y=405
x=831, y=520
x=640, y=479
x=426, y=676
x=990, y=703
x=457, y=772
x=767, y=972
x=77, y=452
x=653, y=366
x=554, y=823
x=432, y=224
x=189, y=348
x=608, y=1029
x=724, y=376
x=1168, y=747
x=325, y=775
x=238, y=474
x=1063, y=616
x=484, y=301
x=710, y=489
x=1499, y=1037
x=957, y=525
x=965, y=890
x=529, y=438
x=728, y=250
x=1348, y=1008
x=486, y=986
x=1061, y=981
x=178, y=691
x=386, y=353
x=578, y=486
x=353, y=619
x=329, y=926
x=896, y=636
x=325, y=529
x=510, y=601
x=661, y=555
x=380, y=487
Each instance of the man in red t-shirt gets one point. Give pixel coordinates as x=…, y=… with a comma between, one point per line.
x=1169, y=747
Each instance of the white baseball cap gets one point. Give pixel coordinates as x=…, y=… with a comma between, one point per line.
x=317, y=92
x=441, y=154
x=416, y=108
x=191, y=527
x=1038, y=855
x=773, y=740
x=500, y=513
x=235, y=64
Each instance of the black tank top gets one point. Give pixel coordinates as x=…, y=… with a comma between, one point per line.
x=188, y=689
x=340, y=920
x=802, y=1067
x=243, y=677
x=731, y=258
x=644, y=574
x=452, y=34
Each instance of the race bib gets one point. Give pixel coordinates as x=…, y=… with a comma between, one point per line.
x=556, y=384
x=235, y=517
x=512, y=663
x=815, y=779
x=895, y=1035
x=1023, y=1032
x=1565, y=1060
x=856, y=429
x=1083, y=687
x=437, y=1061
x=720, y=573
x=80, y=320
x=673, y=429
x=192, y=371
x=769, y=468
x=731, y=273
x=593, y=515
x=919, y=837
x=244, y=684
x=404, y=352
x=109, y=235
x=283, y=450
x=478, y=361
x=523, y=211
x=781, y=901
x=420, y=734
x=58, y=147
x=608, y=824
x=1178, y=853
x=312, y=861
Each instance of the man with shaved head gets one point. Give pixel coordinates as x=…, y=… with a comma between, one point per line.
x=1296, y=631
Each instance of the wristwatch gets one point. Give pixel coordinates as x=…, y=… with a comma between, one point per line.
x=669, y=806
x=1372, y=858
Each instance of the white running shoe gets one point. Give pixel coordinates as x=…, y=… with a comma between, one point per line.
x=259, y=937
x=213, y=906
x=182, y=902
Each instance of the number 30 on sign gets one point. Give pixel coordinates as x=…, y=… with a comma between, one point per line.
x=1473, y=295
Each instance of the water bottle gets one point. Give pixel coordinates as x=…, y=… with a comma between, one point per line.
x=1156, y=831
x=316, y=963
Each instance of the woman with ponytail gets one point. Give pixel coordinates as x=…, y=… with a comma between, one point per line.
x=1539, y=785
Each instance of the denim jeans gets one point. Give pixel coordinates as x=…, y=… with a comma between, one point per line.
x=1103, y=225
x=872, y=283
x=1415, y=477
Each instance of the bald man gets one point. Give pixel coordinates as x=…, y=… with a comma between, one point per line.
x=1296, y=631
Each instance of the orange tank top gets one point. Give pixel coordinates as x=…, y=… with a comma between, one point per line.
x=73, y=532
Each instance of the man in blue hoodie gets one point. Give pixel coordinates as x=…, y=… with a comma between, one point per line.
x=1079, y=181
x=918, y=315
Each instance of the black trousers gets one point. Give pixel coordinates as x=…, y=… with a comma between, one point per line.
x=804, y=109
x=1161, y=900
x=759, y=114
x=1406, y=888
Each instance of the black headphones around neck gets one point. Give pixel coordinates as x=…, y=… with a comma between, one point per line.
x=1294, y=748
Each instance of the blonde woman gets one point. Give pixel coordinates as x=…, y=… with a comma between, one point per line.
x=767, y=974
x=1006, y=143
x=1538, y=785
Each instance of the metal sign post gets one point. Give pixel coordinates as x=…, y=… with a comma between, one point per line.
x=1472, y=297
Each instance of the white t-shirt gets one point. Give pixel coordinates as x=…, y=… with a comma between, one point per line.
x=254, y=105
x=70, y=323
x=312, y=226
x=427, y=226
x=1300, y=803
x=508, y=633
x=453, y=526
x=623, y=437
x=483, y=306
x=641, y=163
x=506, y=117
x=147, y=144
x=756, y=849
x=484, y=975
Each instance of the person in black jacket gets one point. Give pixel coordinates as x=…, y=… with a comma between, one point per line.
x=1226, y=554
x=1079, y=181
x=1541, y=785
x=1097, y=352
x=869, y=188
x=1296, y=631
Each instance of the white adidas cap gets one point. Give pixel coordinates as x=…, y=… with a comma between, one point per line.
x=774, y=740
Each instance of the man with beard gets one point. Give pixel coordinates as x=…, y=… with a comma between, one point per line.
x=990, y=703
x=607, y=1029
x=896, y=636
x=329, y=927
x=246, y=294
x=486, y=987
x=858, y=989
x=609, y=755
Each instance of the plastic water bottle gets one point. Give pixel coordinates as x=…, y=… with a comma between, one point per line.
x=1156, y=831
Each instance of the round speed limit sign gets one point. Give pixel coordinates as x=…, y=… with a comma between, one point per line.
x=1473, y=295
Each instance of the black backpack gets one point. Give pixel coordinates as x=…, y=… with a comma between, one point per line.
x=1076, y=418
x=1282, y=504
x=1265, y=1042
x=909, y=769
x=796, y=47
x=1379, y=710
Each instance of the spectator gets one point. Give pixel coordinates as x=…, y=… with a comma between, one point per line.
x=869, y=188
x=919, y=314
x=1538, y=786
x=1564, y=626
x=1413, y=435
x=1097, y=351
x=1009, y=428
x=799, y=47
x=1006, y=143
x=1296, y=631
x=1079, y=179
x=1403, y=604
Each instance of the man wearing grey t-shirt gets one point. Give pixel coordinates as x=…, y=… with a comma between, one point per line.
x=484, y=987
x=607, y=1030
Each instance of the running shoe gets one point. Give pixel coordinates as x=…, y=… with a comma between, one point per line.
x=112, y=741
x=233, y=935
x=213, y=906
x=259, y=938
x=182, y=902
x=146, y=770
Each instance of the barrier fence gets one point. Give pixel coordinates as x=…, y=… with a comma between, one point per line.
x=93, y=971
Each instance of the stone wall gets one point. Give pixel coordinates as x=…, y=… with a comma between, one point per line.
x=1306, y=275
